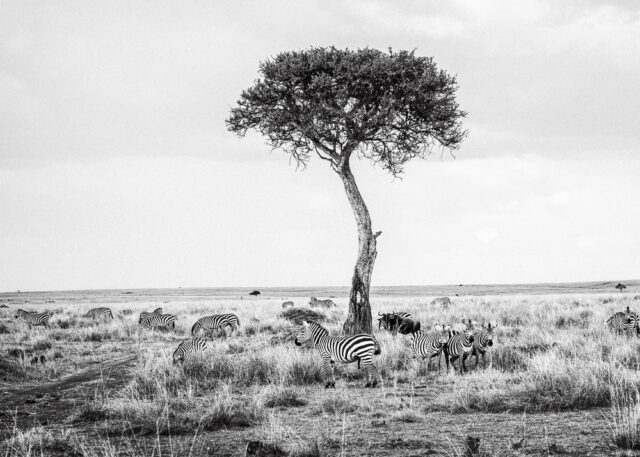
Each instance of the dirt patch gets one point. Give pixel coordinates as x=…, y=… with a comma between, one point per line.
x=50, y=403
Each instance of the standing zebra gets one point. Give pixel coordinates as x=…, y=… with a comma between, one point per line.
x=188, y=348
x=315, y=303
x=159, y=321
x=97, y=313
x=441, y=301
x=344, y=349
x=144, y=314
x=428, y=345
x=33, y=318
x=482, y=339
x=460, y=345
x=215, y=322
x=287, y=304
x=624, y=322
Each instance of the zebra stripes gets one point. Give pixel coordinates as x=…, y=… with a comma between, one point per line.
x=482, y=339
x=460, y=345
x=441, y=301
x=428, y=345
x=144, y=314
x=159, y=321
x=215, y=322
x=97, y=313
x=33, y=318
x=624, y=323
x=189, y=348
x=287, y=304
x=315, y=303
x=347, y=349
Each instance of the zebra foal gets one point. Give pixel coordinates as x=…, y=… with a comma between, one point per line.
x=344, y=349
x=33, y=318
x=188, y=348
x=482, y=340
x=97, y=313
x=216, y=322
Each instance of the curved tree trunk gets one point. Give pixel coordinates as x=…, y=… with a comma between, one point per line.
x=359, y=318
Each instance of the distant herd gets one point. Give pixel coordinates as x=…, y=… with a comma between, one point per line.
x=469, y=339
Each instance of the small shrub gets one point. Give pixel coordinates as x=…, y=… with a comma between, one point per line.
x=297, y=315
x=283, y=397
x=42, y=345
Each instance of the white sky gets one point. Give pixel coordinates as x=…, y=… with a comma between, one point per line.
x=116, y=169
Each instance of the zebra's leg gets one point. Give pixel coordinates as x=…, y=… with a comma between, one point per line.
x=447, y=358
x=477, y=357
x=453, y=359
x=372, y=373
x=463, y=365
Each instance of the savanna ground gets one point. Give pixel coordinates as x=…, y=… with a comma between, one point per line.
x=558, y=383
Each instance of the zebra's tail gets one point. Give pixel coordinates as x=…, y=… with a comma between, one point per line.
x=237, y=321
x=377, y=350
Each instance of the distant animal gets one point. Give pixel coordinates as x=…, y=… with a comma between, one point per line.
x=97, y=313
x=624, y=322
x=621, y=287
x=255, y=293
x=188, y=348
x=3, y=306
x=408, y=325
x=154, y=320
x=445, y=302
x=315, y=303
x=33, y=318
x=144, y=314
x=460, y=345
x=287, y=304
x=482, y=339
x=344, y=349
x=391, y=321
x=215, y=322
x=426, y=345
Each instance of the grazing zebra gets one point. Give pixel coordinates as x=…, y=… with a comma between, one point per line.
x=624, y=322
x=33, y=318
x=321, y=303
x=144, y=314
x=215, y=322
x=428, y=345
x=287, y=304
x=460, y=345
x=441, y=301
x=154, y=320
x=188, y=348
x=97, y=313
x=344, y=349
x=482, y=339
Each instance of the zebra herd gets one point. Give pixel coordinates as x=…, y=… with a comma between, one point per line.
x=454, y=344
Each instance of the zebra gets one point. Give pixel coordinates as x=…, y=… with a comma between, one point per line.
x=154, y=320
x=459, y=346
x=482, y=338
x=441, y=301
x=321, y=303
x=97, y=313
x=344, y=349
x=33, y=318
x=144, y=314
x=215, y=322
x=287, y=304
x=188, y=348
x=624, y=322
x=428, y=345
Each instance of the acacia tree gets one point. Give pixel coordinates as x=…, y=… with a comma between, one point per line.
x=386, y=107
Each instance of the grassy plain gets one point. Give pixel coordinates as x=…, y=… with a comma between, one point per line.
x=558, y=381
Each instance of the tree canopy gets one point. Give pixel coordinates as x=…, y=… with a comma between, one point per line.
x=390, y=107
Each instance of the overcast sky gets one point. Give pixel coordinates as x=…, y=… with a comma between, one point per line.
x=116, y=169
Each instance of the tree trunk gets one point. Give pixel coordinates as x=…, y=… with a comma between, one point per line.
x=359, y=318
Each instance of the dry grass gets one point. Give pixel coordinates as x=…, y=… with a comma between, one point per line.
x=551, y=353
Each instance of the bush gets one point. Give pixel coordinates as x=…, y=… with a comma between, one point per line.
x=297, y=315
x=42, y=346
x=281, y=396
